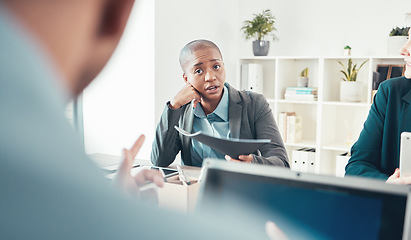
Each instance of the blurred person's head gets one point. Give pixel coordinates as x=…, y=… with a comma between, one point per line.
x=79, y=35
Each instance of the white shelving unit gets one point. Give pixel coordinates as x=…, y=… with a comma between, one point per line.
x=329, y=126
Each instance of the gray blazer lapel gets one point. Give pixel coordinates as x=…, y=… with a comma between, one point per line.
x=235, y=112
x=187, y=125
x=188, y=118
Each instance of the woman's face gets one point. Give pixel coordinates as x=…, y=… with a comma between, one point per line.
x=206, y=73
x=406, y=52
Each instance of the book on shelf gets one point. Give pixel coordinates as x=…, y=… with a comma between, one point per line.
x=301, y=90
x=300, y=97
x=252, y=77
x=303, y=160
x=301, y=93
x=290, y=127
x=311, y=160
x=282, y=124
x=295, y=159
x=294, y=129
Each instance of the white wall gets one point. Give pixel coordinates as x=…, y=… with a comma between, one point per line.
x=128, y=97
x=119, y=104
x=304, y=28
x=178, y=22
x=324, y=27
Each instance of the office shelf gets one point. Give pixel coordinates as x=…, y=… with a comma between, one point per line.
x=329, y=125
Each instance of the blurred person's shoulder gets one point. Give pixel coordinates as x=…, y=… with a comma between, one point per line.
x=399, y=84
x=396, y=88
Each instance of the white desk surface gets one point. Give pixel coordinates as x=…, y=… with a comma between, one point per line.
x=110, y=163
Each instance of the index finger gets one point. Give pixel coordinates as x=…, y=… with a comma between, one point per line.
x=129, y=155
x=136, y=147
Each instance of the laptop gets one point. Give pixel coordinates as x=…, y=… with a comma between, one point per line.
x=304, y=205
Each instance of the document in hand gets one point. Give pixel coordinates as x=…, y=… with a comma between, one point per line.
x=230, y=147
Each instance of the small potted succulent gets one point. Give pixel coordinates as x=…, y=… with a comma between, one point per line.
x=350, y=89
x=347, y=50
x=303, y=79
x=258, y=28
x=398, y=37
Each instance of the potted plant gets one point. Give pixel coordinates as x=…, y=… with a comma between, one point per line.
x=347, y=50
x=398, y=37
x=303, y=79
x=350, y=89
x=258, y=28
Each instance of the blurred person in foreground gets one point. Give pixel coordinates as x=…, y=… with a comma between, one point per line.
x=50, y=51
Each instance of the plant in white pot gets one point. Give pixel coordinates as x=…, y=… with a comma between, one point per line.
x=258, y=28
x=303, y=78
x=398, y=37
x=350, y=89
x=347, y=50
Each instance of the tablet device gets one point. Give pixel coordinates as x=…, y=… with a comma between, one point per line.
x=405, y=154
x=166, y=172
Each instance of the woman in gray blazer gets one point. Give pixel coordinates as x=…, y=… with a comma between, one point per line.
x=207, y=103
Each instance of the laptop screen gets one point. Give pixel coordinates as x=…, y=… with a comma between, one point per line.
x=307, y=209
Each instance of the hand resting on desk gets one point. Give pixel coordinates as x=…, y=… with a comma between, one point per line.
x=242, y=158
x=131, y=184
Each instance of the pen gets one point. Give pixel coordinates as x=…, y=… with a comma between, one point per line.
x=200, y=177
x=115, y=170
x=162, y=173
x=183, y=177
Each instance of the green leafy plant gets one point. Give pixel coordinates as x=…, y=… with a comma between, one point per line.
x=304, y=73
x=347, y=47
x=351, y=71
x=260, y=26
x=397, y=31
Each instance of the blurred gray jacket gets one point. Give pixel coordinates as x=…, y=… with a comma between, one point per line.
x=49, y=189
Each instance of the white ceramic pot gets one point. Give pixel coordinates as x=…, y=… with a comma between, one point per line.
x=302, y=82
x=350, y=91
x=395, y=43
